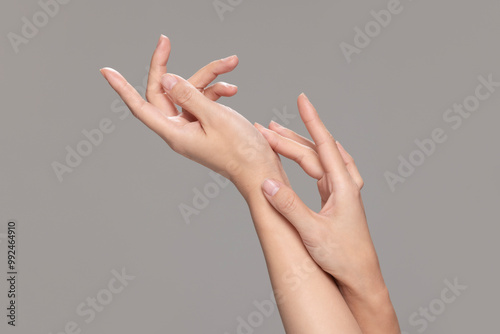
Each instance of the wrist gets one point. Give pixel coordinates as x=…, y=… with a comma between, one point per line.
x=249, y=181
x=373, y=309
x=250, y=186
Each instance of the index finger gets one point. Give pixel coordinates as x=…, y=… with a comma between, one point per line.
x=147, y=113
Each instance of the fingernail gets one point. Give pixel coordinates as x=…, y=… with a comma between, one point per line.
x=277, y=125
x=168, y=81
x=304, y=95
x=228, y=58
x=229, y=85
x=270, y=187
x=258, y=126
x=110, y=74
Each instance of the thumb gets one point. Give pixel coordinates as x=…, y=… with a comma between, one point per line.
x=286, y=202
x=185, y=95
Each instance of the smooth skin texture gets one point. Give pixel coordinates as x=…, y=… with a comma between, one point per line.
x=337, y=238
x=196, y=132
x=218, y=137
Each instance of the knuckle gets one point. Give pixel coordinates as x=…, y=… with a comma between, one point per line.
x=149, y=95
x=349, y=190
x=184, y=95
x=311, y=153
x=213, y=64
x=302, y=157
x=288, y=203
x=355, y=193
x=211, y=68
x=140, y=110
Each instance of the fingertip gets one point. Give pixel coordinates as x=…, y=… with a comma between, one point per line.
x=108, y=70
x=104, y=70
x=264, y=131
x=340, y=147
x=224, y=89
x=230, y=62
x=162, y=40
x=169, y=81
x=303, y=99
x=268, y=134
x=111, y=75
x=275, y=125
x=270, y=187
x=230, y=86
x=233, y=59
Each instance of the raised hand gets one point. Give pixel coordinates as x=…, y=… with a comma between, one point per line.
x=207, y=132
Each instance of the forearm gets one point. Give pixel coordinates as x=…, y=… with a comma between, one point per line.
x=372, y=307
x=307, y=297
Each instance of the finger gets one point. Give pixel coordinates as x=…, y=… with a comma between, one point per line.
x=287, y=133
x=185, y=95
x=147, y=113
x=210, y=72
x=328, y=152
x=158, y=67
x=287, y=203
x=214, y=93
x=351, y=166
x=305, y=156
x=219, y=89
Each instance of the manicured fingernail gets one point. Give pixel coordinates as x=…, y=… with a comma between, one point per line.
x=258, y=125
x=277, y=125
x=110, y=74
x=270, y=187
x=168, y=81
x=228, y=58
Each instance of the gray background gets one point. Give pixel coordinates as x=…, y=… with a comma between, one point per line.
x=120, y=207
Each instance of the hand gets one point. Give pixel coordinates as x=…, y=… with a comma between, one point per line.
x=207, y=132
x=337, y=237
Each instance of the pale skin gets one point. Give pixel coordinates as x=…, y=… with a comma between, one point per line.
x=337, y=238
x=221, y=139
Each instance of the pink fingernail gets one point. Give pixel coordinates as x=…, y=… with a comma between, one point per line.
x=228, y=58
x=279, y=126
x=270, y=187
x=168, y=81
